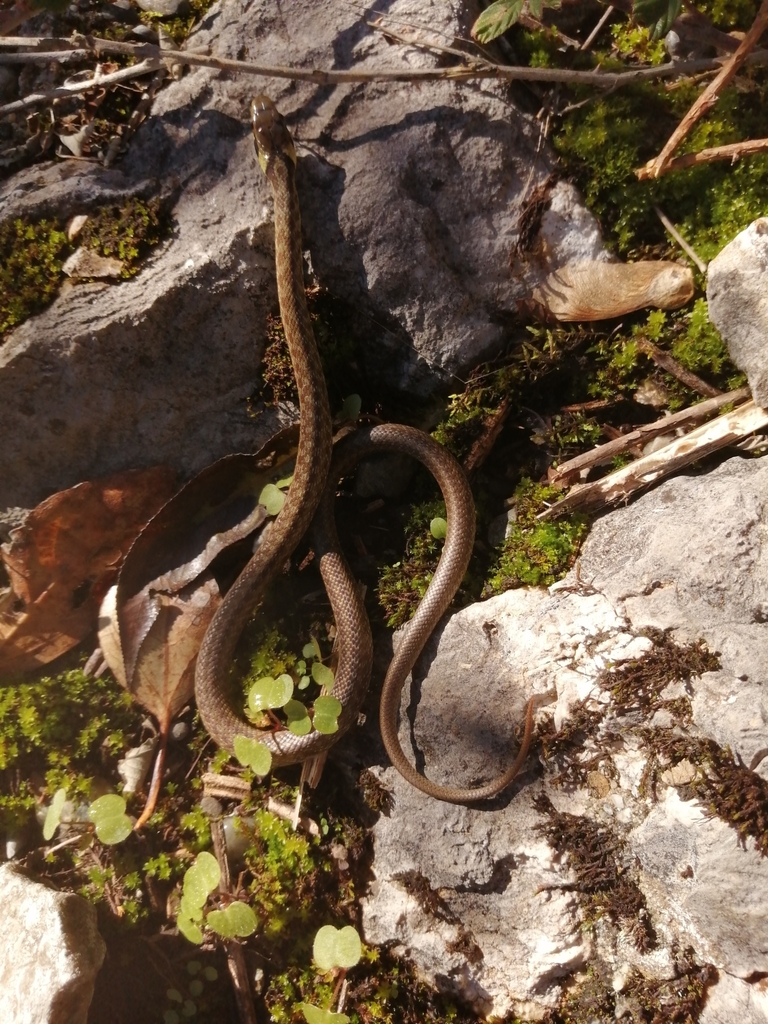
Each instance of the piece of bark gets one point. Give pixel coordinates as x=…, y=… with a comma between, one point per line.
x=570, y=470
x=727, y=429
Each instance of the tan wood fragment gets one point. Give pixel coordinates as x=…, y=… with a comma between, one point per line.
x=603, y=453
x=727, y=429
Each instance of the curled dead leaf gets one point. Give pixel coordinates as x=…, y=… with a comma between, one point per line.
x=594, y=290
x=65, y=557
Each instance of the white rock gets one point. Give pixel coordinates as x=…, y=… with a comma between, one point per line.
x=50, y=953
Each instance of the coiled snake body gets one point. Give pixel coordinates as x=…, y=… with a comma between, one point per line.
x=310, y=499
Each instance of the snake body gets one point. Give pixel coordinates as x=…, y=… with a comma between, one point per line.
x=310, y=498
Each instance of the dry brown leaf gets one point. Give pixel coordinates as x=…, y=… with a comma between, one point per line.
x=64, y=558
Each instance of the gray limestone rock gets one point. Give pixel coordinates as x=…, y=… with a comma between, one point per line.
x=506, y=931
x=410, y=198
x=738, y=303
x=50, y=954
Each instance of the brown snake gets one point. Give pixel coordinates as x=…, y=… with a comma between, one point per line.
x=310, y=498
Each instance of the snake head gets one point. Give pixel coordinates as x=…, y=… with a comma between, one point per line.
x=270, y=133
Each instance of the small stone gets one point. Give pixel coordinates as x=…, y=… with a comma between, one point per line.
x=75, y=225
x=87, y=263
x=211, y=807
x=179, y=731
x=167, y=8
x=680, y=774
x=237, y=836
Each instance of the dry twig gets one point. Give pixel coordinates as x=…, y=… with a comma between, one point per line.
x=569, y=471
x=73, y=88
x=671, y=365
x=641, y=474
x=672, y=230
x=658, y=166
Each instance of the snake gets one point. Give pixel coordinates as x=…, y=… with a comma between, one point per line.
x=309, y=507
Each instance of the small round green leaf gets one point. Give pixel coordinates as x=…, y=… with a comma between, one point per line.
x=109, y=806
x=315, y=1015
x=189, y=907
x=174, y=995
x=210, y=973
x=299, y=722
x=189, y=929
x=438, y=528
x=253, y=754
x=336, y=947
x=326, y=717
x=237, y=920
x=303, y=683
x=284, y=483
x=270, y=693
x=108, y=815
x=188, y=1009
x=170, y=1017
x=349, y=948
x=194, y=967
x=322, y=675
x=53, y=814
x=196, y=987
x=272, y=498
x=311, y=650
x=206, y=869
x=350, y=410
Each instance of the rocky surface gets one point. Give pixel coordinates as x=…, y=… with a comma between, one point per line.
x=50, y=954
x=478, y=897
x=738, y=307
x=411, y=198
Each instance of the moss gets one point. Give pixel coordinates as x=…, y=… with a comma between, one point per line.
x=725, y=787
x=403, y=584
x=603, y=885
x=536, y=553
x=63, y=729
x=32, y=253
x=642, y=1000
x=637, y=685
x=31, y=257
x=127, y=232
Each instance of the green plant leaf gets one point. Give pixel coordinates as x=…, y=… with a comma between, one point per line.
x=311, y=650
x=201, y=879
x=108, y=815
x=336, y=947
x=299, y=721
x=350, y=410
x=315, y=1015
x=657, y=15
x=270, y=693
x=322, y=675
x=189, y=929
x=284, y=483
x=53, y=814
x=236, y=920
x=190, y=908
x=272, y=498
x=327, y=711
x=438, y=528
x=253, y=754
x=496, y=19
